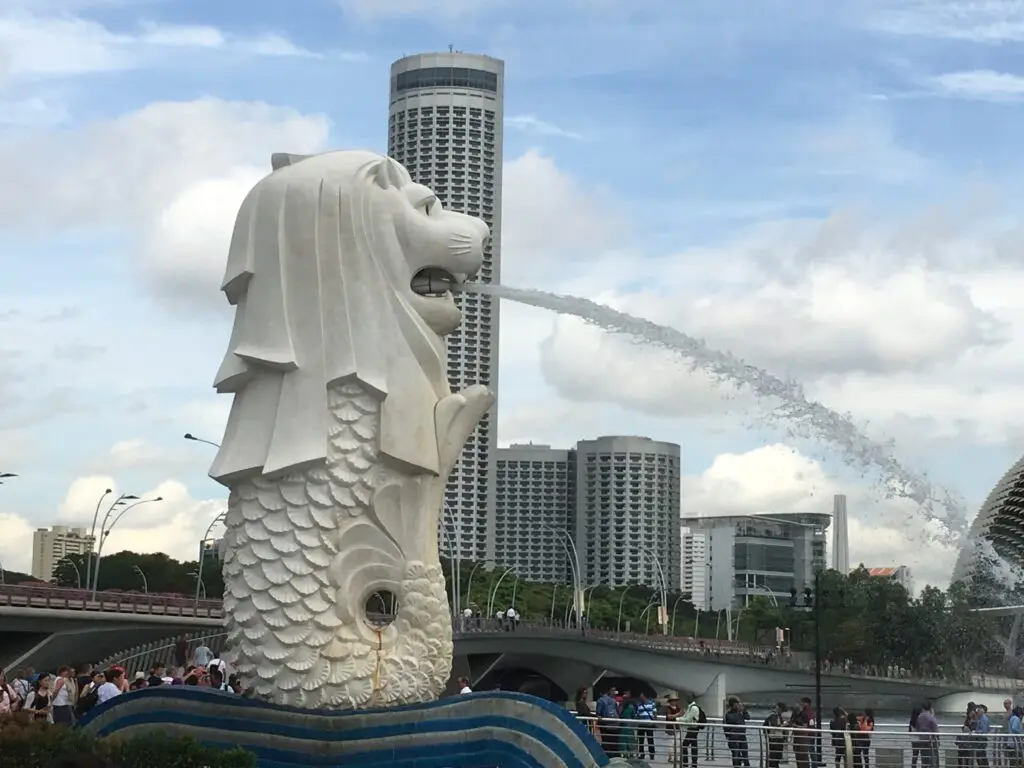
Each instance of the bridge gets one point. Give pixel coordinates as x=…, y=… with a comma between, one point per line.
x=44, y=628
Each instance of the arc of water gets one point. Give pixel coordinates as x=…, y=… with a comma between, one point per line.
x=816, y=420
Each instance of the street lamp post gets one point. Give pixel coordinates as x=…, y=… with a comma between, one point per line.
x=6, y=476
x=618, y=621
x=200, y=585
x=674, y=606
x=554, y=591
x=78, y=574
x=663, y=611
x=105, y=531
x=92, y=537
x=145, y=581
x=494, y=591
x=469, y=586
x=92, y=572
x=2, y=574
x=193, y=438
x=456, y=563
x=202, y=556
x=574, y=565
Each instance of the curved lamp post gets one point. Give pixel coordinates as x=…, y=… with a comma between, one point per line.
x=6, y=476
x=193, y=438
x=494, y=591
x=199, y=584
x=574, y=565
x=93, y=563
x=674, y=606
x=78, y=574
x=554, y=591
x=663, y=617
x=453, y=554
x=446, y=538
x=647, y=612
x=2, y=573
x=618, y=621
x=202, y=556
x=145, y=582
x=469, y=586
x=105, y=531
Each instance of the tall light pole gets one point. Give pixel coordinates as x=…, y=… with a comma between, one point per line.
x=202, y=556
x=145, y=582
x=456, y=563
x=618, y=621
x=674, y=606
x=2, y=573
x=494, y=590
x=78, y=574
x=554, y=591
x=105, y=531
x=574, y=564
x=193, y=438
x=663, y=611
x=446, y=538
x=469, y=586
x=200, y=585
x=6, y=476
x=92, y=537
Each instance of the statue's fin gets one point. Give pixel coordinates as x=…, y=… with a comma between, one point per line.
x=280, y=160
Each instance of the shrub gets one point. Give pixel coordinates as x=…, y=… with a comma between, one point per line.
x=36, y=745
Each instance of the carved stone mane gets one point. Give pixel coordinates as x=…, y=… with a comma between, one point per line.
x=313, y=273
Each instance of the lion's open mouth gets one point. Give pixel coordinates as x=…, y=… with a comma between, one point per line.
x=433, y=282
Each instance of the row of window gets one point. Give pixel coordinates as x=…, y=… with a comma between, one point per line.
x=446, y=77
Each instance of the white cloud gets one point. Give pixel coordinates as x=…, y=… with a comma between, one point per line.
x=388, y=9
x=62, y=45
x=174, y=525
x=981, y=85
x=978, y=21
x=775, y=478
x=172, y=175
x=532, y=124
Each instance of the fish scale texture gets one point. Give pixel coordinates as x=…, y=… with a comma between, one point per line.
x=304, y=552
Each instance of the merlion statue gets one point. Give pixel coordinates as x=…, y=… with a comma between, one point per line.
x=343, y=429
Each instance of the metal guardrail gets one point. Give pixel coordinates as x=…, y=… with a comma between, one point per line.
x=129, y=603
x=134, y=603
x=717, y=744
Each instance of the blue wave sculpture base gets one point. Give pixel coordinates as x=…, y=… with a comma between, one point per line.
x=479, y=730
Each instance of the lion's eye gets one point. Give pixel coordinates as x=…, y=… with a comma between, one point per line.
x=427, y=205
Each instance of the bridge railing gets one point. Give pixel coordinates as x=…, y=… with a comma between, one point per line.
x=714, y=744
x=23, y=596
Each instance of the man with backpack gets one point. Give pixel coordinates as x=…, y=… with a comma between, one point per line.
x=607, y=720
x=694, y=721
x=776, y=735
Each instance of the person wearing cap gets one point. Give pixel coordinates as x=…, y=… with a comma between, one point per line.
x=139, y=682
x=607, y=719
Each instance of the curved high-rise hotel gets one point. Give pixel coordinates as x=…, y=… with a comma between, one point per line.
x=445, y=126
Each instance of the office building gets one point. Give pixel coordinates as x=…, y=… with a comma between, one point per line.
x=212, y=548
x=840, y=535
x=535, y=497
x=445, y=126
x=900, y=574
x=627, y=511
x=760, y=555
x=694, y=567
x=50, y=546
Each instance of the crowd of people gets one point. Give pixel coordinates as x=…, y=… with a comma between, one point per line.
x=64, y=696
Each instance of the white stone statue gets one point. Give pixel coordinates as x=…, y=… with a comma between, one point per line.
x=343, y=429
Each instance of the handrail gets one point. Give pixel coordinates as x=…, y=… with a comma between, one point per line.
x=134, y=603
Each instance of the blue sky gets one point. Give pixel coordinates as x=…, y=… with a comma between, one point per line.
x=830, y=190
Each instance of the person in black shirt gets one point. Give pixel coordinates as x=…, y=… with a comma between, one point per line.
x=156, y=677
x=180, y=654
x=838, y=725
x=736, y=733
x=775, y=735
x=800, y=721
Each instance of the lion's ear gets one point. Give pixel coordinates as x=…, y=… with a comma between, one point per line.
x=388, y=174
x=280, y=160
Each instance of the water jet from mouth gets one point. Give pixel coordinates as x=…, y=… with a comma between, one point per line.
x=807, y=417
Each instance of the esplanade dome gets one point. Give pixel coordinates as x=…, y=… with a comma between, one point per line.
x=1000, y=524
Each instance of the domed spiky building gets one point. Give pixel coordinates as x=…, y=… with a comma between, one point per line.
x=998, y=529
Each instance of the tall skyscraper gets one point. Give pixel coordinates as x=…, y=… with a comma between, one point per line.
x=50, y=546
x=694, y=561
x=627, y=511
x=445, y=126
x=535, y=499
x=840, y=535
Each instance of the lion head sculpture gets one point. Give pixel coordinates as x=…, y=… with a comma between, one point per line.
x=340, y=268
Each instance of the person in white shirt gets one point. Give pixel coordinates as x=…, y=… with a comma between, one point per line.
x=63, y=711
x=512, y=618
x=109, y=688
x=464, y=685
x=203, y=655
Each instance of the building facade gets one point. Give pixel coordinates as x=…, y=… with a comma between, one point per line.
x=840, y=535
x=445, y=126
x=694, y=567
x=51, y=545
x=535, y=498
x=997, y=533
x=627, y=511
x=761, y=555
